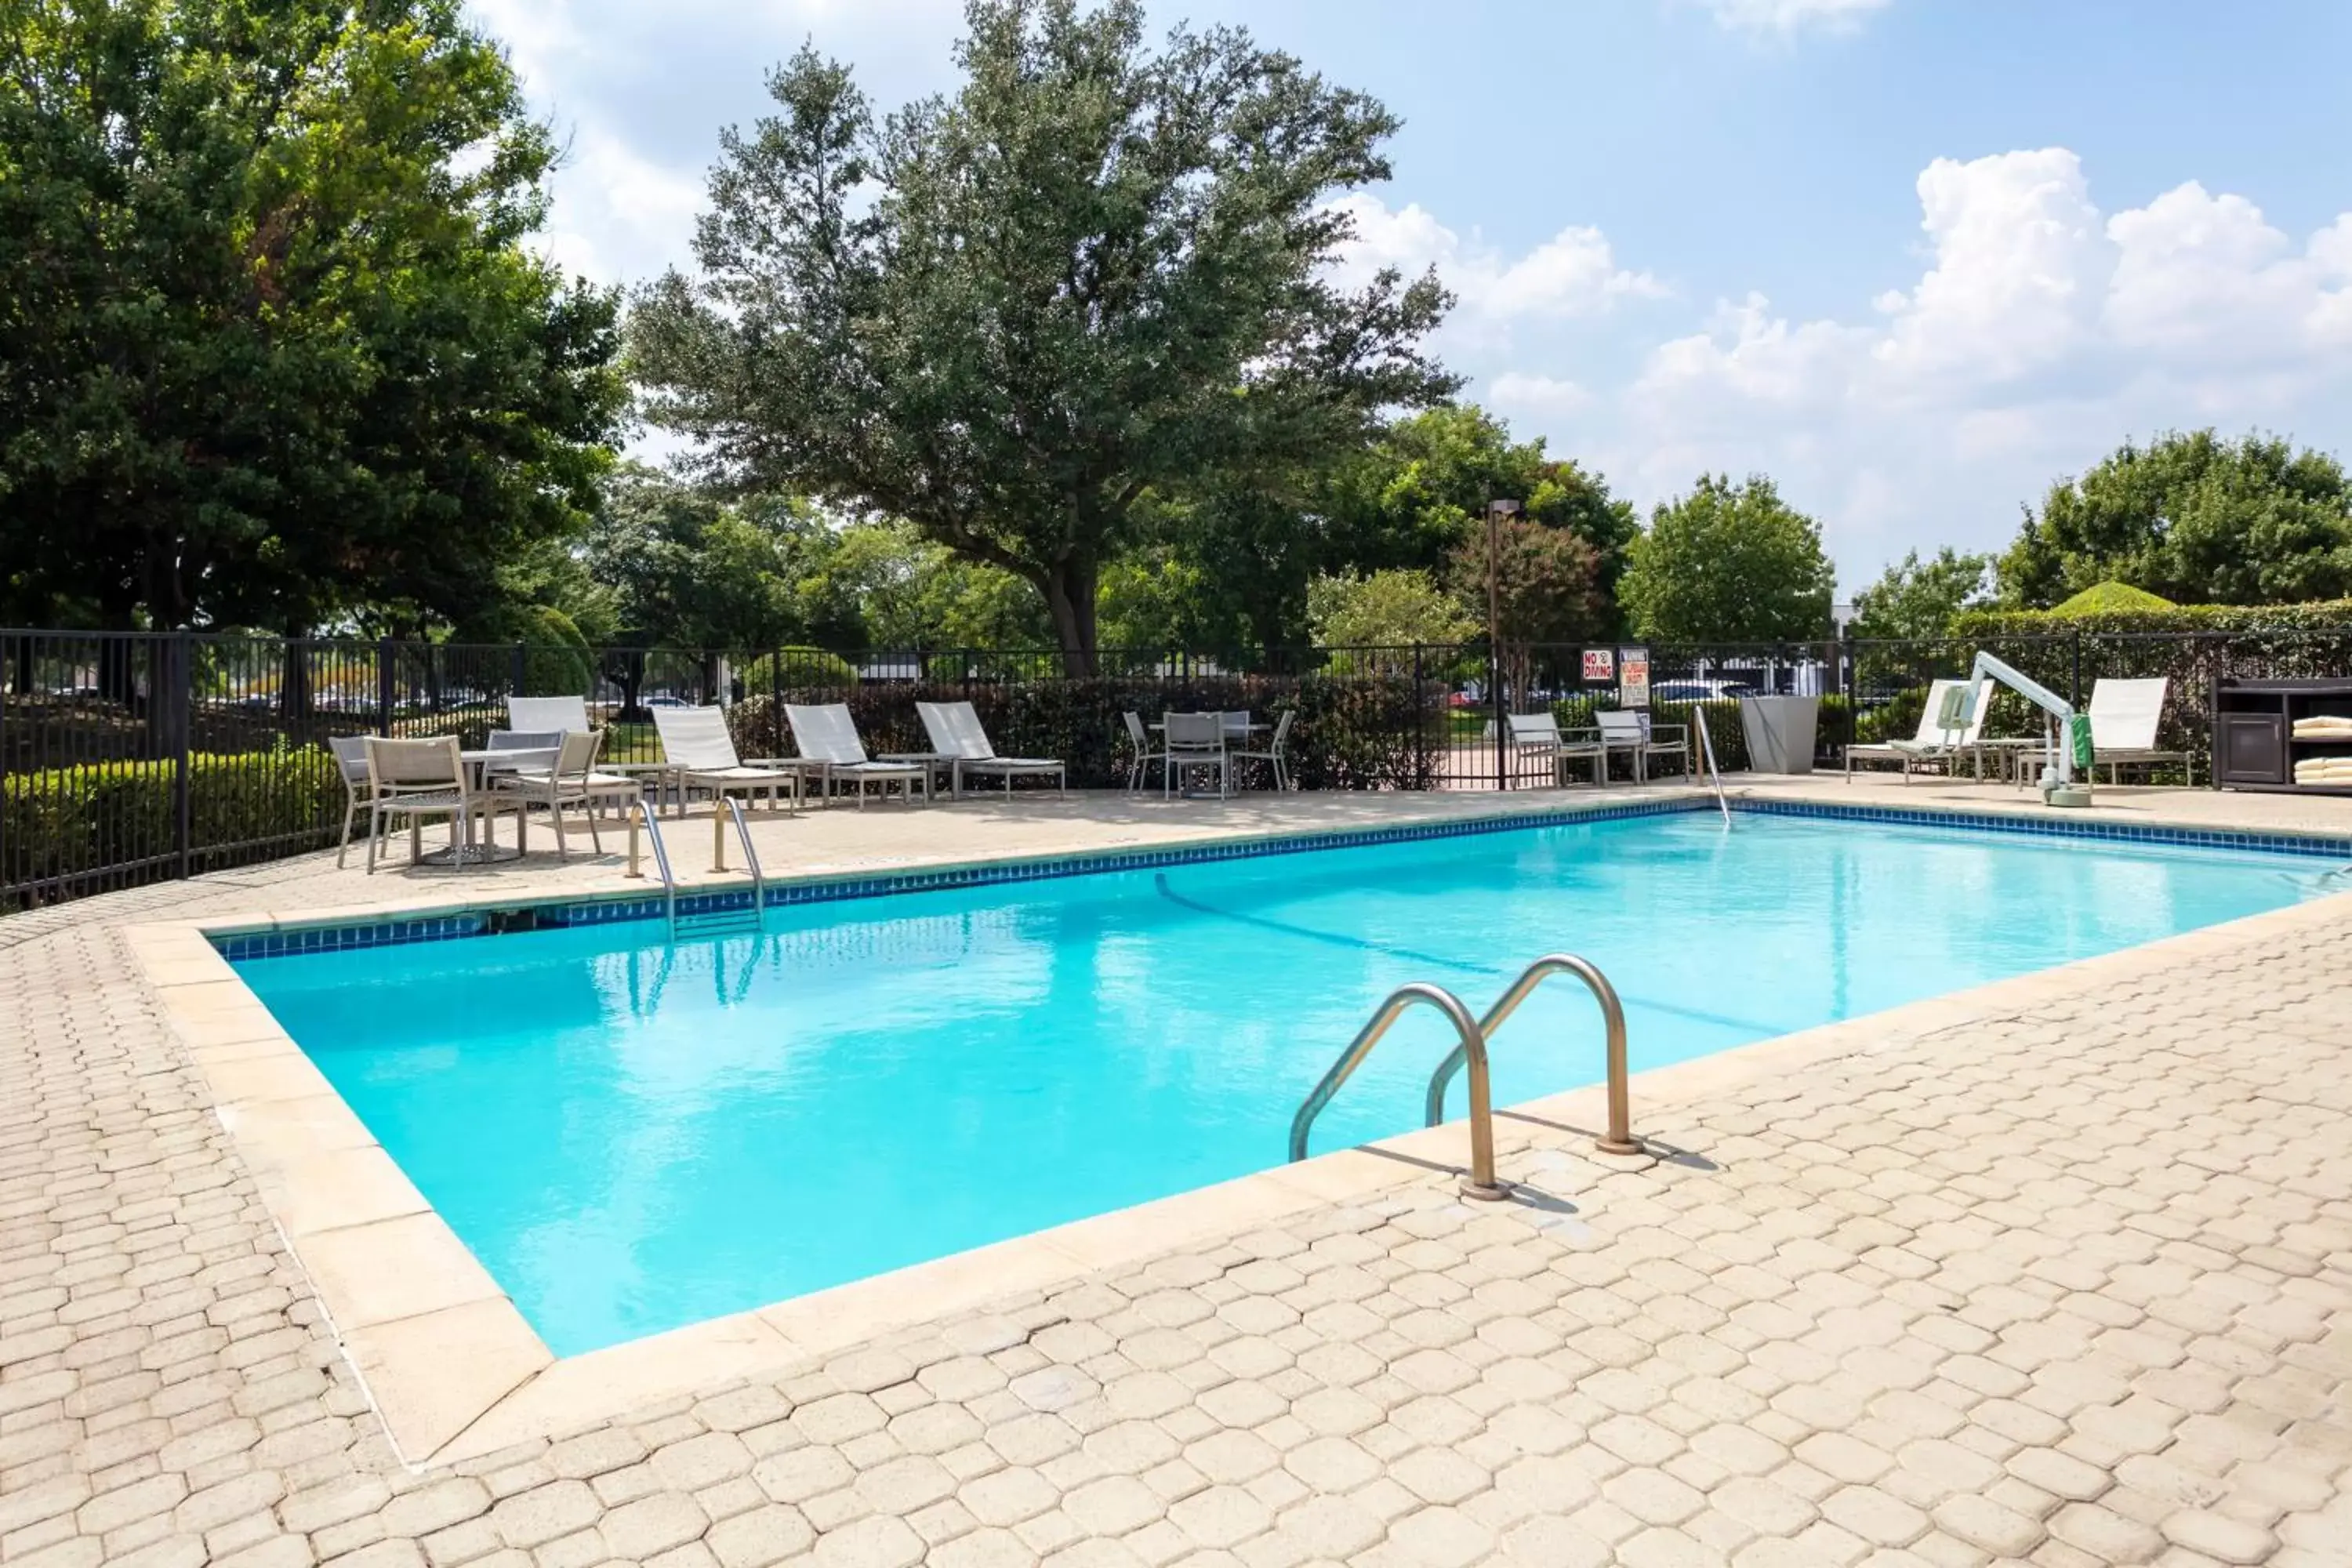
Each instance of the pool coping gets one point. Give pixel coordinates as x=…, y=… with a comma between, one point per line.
x=456, y=1372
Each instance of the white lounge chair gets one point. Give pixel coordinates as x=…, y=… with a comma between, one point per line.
x=827, y=738
x=958, y=736
x=698, y=754
x=548, y=715
x=570, y=778
x=1537, y=736
x=2124, y=715
x=1933, y=741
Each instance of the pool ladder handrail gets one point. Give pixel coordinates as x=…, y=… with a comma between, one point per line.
x=1480, y=1182
x=640, y=812
x=1619, y=1139
x=1706, y=749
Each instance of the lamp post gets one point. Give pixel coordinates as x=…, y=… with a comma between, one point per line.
x=1496, y=510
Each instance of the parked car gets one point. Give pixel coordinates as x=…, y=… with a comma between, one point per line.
x=1700, y=691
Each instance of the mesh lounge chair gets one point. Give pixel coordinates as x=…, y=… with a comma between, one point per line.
x=698, y=754
x=569, y=778
x=827, y=738
x=418, y=779
x=1629, y=729
x=1536, y=736
x=1932, y=743
x=1194, y=741
x=2124, y=715
x=1273, y=755
x=545, y=715
x=956, y=733
x=1140, y=756
x=351, y=761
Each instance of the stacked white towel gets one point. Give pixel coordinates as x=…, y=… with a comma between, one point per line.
x=2325, y=727
x=2324, y=770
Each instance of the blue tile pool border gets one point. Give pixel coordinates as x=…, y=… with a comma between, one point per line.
x=241, y=947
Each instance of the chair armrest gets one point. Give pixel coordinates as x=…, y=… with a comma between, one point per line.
x=1658, y=734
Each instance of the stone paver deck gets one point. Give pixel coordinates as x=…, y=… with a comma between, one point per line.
x=2058, y=1272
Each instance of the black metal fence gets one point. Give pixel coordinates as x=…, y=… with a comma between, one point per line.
x=130, y=757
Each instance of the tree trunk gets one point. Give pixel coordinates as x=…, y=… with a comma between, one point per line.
x=1069, y=589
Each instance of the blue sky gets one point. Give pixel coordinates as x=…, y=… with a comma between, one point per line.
x=1914, y=258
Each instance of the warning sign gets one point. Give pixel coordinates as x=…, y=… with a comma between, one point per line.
x=1600, y=667
x=1633, y=678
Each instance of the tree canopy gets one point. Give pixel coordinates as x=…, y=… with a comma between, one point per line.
x=2193, y=518
x=1915, y=598
x=1010, y=315
x=1729, y=562
x=276, y=353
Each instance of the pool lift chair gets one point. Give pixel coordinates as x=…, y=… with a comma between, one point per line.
x=2068, y=742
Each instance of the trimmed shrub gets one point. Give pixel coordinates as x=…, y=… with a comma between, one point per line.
x=796, y=670
x=62, y=824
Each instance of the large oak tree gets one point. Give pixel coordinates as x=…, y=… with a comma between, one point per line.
x=273, y=349
x=1096, y=272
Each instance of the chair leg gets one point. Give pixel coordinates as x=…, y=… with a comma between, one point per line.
x=351, y=810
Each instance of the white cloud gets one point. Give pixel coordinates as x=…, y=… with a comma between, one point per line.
x=2038, y=333
x=1786, y=17
x=1572, y=274
x=621, y=215
x=1545, y=396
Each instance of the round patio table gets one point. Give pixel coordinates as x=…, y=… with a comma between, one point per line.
x=481, y=765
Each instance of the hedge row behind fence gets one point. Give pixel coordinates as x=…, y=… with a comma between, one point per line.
x=63, y=826
x=1359, y=733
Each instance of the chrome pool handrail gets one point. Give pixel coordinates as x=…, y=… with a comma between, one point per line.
x=1480, y=1182
x=639, y=812
x=1706, y=749
x=1619, y=1139
x=751, y=855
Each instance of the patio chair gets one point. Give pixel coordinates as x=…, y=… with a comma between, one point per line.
x=1141, y=754
x=956, y=734
x=1538, y=735
x=1194, y=741
x=2124, y=715
x=570, y=778
x=1630, y=730
x=698, y=754
x=350, y=762
x=827, y=738
x=560, y=715
x=1273, y=755
x=418, y=779
x=1933, y=742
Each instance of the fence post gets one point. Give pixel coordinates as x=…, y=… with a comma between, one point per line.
x=1502, y=719
x=180, y=707
x=1850, y=683
x=384, y=686
x=1419, y=728
x=515, y=664
x=2074, y=682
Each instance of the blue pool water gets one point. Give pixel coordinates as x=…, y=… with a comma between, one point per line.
x=631, y=1137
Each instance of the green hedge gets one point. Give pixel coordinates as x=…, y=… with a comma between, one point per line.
x=1357, y=732
x=65, y=823
x=2318, y=616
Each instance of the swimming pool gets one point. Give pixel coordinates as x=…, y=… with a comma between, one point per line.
x=631, y=1136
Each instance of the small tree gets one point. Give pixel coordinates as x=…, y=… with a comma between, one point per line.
x=1390, y=609
x=1009, y=316
x=1915, y=598
x=1729, y=563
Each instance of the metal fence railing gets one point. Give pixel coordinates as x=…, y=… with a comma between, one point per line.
x=127, y=757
